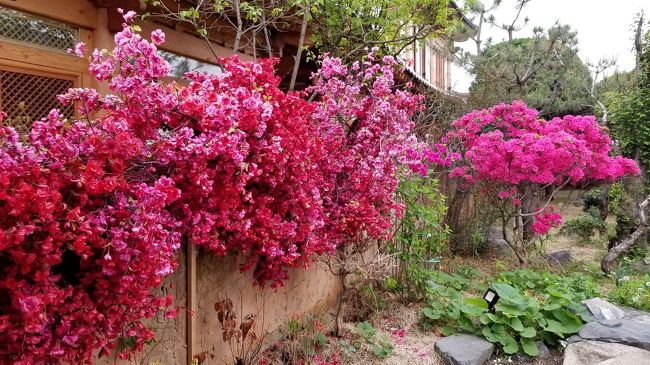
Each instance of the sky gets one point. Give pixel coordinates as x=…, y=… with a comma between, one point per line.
x=604, y=28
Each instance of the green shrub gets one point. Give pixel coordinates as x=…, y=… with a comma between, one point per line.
x=532, y=306
x=633, y=293
x=422, y=237
x=585, y=227
x=591, y=198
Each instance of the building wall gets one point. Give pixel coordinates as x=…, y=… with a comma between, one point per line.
x=429, y=60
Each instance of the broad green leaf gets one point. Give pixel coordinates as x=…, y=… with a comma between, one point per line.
x=555, y=327
x=431, y=314
x=474, y=306
x=509, y=310
x=510, y=345
x=570, y=322
x=516, y=324
x=528, y=332
x=489, y=335
x=496, y=319
x=530, y=347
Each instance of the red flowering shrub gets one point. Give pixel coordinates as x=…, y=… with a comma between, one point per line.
x=366, y=128
x=92, y=209
x=513, y=155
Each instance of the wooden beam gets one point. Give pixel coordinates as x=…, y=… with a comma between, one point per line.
x=191, y=301
x=81, y=13
x=29, y=56
x=187, y=44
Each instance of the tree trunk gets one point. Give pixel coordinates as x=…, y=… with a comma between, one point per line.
x=625, y=244
x=341, y=302
x=520, y=252
x=603, y=203
x=344, y=293
x=453, y=221
x=301, y=43
x=533, y=201
x=633, y=192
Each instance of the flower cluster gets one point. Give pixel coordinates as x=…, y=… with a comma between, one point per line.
x=545, y=220
x=508, y=150
x=93, y=209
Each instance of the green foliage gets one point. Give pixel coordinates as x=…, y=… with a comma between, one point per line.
x=585, y=227
x=633, y=293
x=381, y=346
x=532, y=306
x=544, y=71
x=576, y=286
x=591, y=199
x=629, y=111
x=344, y=28
x=422, y=237
x=616, y=82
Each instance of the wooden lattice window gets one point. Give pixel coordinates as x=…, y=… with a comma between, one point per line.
x=28, y=97
x=25, y=28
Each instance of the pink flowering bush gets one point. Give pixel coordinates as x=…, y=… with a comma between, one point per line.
x=93, y=209
x=366, y=130
x=516, y=158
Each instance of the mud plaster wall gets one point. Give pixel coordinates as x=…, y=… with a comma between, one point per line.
x=306, y=291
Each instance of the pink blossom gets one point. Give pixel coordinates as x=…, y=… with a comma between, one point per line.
x=79, y=49
x=158, y=37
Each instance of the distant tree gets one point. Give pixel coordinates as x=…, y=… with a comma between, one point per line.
x=616, y=82
x=544, y=71
x=627, y=98
x=348, y=28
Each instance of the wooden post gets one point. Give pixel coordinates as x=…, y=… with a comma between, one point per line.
x=191, y=300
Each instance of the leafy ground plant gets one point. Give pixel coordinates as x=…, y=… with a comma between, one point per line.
x=632, y=292
x=381, y=345
x=532, y=306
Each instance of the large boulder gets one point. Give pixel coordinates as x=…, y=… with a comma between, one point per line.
x=495, y=244
x=623, y=331
x=642, y=266
x=601, y=309
x=637, y=315
x=558, y=258
x=464, y=350
x=604, y=353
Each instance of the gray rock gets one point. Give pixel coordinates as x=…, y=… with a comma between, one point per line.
x=495, y=244
x=544, y=352
x=623, y=331
x=573, y=339
x=642, y=266
x=601, y=309
x=464, y=350
x=637, y=315
x=559, y=257
x=603, y=353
